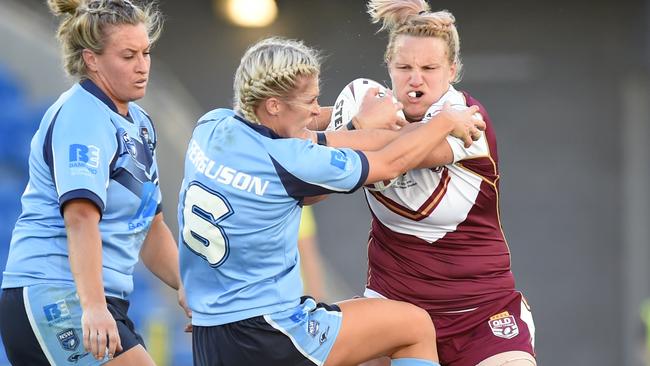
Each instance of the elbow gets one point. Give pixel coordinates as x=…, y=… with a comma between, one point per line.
x=78, y=213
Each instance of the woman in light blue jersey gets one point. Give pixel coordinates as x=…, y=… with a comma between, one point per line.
x=248, y=172
x=92, y=205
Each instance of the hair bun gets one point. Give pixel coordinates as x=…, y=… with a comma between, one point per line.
x=61, y=7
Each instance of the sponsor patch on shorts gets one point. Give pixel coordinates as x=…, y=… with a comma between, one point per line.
x=504, y=325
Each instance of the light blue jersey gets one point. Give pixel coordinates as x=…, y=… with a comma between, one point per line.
x=85, y=149
x=239, y=212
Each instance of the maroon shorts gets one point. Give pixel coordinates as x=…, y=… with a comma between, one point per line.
x=503, y=328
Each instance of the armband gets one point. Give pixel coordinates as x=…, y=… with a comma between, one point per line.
x=321, y=139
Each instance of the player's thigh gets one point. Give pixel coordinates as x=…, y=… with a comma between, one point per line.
x=382, y=361
x=378, y=327
x=135, y=356
x=510, y=358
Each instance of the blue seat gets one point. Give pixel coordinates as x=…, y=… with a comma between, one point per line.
x=11, y=89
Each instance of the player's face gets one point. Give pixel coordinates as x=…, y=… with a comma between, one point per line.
x=123, y=67
x=301, y=107
x=420, y=72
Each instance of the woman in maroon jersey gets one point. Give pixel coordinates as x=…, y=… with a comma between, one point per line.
x=436, y=238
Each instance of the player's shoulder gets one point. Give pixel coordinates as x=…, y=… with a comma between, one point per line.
x=470, y=100
x=216, y=115
x=80, y=107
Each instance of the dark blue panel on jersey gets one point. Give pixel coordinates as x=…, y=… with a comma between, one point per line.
x=365, y=169
x=84, y=194
x=296, y=187
x=47, y=147
x=262, y=130
x=93, y=89
x=130, y=182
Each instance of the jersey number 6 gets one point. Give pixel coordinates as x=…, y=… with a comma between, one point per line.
x=203, y=209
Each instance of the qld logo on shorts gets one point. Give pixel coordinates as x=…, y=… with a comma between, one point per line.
x=83, y=159
x=504, y=325
x=68, y=339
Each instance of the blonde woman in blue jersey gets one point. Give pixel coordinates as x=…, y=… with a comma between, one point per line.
x=92, y=205
x=248, y=172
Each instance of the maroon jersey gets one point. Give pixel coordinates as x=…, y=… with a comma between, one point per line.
x=436, y=239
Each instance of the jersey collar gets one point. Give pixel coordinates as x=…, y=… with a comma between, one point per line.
x=261, y=129
x=93, y=89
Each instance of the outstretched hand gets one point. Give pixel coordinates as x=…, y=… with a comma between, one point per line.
x=379, y=110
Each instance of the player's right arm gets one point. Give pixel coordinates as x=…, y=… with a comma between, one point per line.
x=79, y=158
x=81, y=219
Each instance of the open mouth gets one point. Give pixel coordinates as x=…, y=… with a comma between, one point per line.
x=415, y=94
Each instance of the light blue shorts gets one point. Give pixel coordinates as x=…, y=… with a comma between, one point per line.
x=54, y=313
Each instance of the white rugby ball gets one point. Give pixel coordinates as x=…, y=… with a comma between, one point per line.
x=347, y=105
x=349, y=100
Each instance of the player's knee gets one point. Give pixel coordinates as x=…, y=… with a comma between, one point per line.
x=422, y=323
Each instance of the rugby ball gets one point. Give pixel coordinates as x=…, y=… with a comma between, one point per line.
x=349, y=100
x=347, y=105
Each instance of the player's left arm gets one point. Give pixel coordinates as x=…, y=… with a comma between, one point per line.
x=159, y=254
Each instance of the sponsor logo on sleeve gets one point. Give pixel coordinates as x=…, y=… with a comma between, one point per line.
x=504, y=325
x=338, y=159
x=83, y=159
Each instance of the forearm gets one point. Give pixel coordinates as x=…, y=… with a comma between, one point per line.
x=415, y=145
x=408, y=151
x=159, y=253
x=367, y=140
x=85, y=256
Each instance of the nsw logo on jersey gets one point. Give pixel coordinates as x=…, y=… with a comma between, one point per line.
x=83, y=159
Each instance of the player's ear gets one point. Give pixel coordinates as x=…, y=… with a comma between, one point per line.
x=452, y=71
x=90, y=59
x=273, y=106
